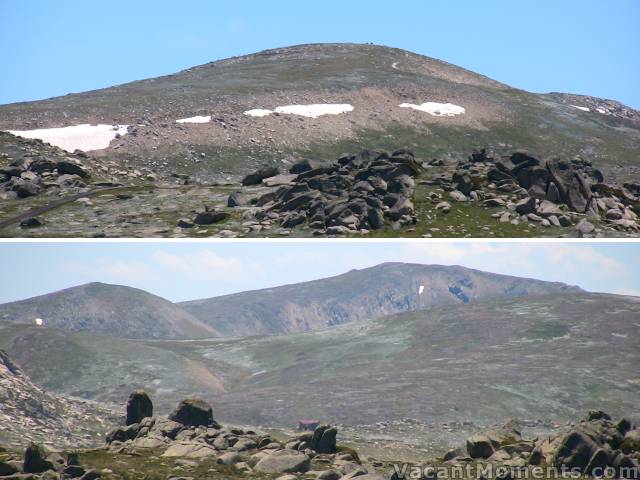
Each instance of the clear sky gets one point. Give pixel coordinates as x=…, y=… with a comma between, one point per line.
x=188, y=270
x=51, y=48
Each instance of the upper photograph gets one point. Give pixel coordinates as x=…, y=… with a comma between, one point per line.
x=274, y=119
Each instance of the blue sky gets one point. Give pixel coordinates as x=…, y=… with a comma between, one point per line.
x=581, y=46
x=189, y=270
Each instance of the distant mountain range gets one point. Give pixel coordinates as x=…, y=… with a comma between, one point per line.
x=357, y=295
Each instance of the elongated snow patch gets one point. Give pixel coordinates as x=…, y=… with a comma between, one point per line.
x=436, y=109
x=421, y=289
x=584, y=109
x=196, y=119
x=311, y=111
x=258, y=112
x=78, y=137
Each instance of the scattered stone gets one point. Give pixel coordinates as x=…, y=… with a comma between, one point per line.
x=210, y=216
x=257, y=177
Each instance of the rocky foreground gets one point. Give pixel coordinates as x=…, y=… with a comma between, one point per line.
x=369, y=193
x=371, y=190
x=190, y=444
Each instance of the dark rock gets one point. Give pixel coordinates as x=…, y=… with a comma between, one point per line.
x=194, y=413
x=599, y=460
x=73, y=471
x=526, y=206
x=299, y=201
x=623, y=426
x=26, y=189
x=497, y=175
x=66, y=167
x=35, y=460
x=42, y=165
x=375, y=218
x=11, y=171
x=479, y=446
x=139, y=406
x=553, y=194
x=7, y=469
x=122, y=434
x=32, y=222
x=575, y=450
x=402, y=207
x=302, y=166
x=597, y=415
x=293, y=220
x=462, y=182
x=378, y=184
x=573, y=187
x=479, y=156
x=523, y=160
x=402, y=184
x=257, y=177
x=184, y=223
x=324, y=439
x=237, y=199
x=210, y=216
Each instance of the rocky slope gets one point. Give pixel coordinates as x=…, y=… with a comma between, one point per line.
x=110, y=309
x=358, y=295
x=28, y=413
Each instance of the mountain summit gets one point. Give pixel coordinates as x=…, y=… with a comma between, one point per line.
x=108, y=309
x=174, y=118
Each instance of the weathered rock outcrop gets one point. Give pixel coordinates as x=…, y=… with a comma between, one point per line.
x=139, y=406
x=194, y=413
x=358, y=192
x=555, y=192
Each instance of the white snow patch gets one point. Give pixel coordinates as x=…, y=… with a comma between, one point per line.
x=196, y=119
x=258, y=112
x=39, y=322
x=436, y=109
x=620, y=335
x=420, y=289
x=394, y=65
x=584, y=109
x=311, y=111
x=316, y=110
x=78, y=137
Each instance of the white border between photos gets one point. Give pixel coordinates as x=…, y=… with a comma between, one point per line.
x=209, y=240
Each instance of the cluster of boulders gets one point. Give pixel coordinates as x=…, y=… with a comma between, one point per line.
x=548, y=192
x=590, y=447
x=357, y=193
x=191, y=432
x=38, y=463
x=30, y=176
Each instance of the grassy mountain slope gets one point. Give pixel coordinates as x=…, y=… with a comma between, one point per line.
x=110, y=309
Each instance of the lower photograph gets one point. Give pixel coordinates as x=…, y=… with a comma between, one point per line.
x=319, y=360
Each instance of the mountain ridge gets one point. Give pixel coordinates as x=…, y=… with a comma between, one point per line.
x=358, y=294
x=105, y=308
